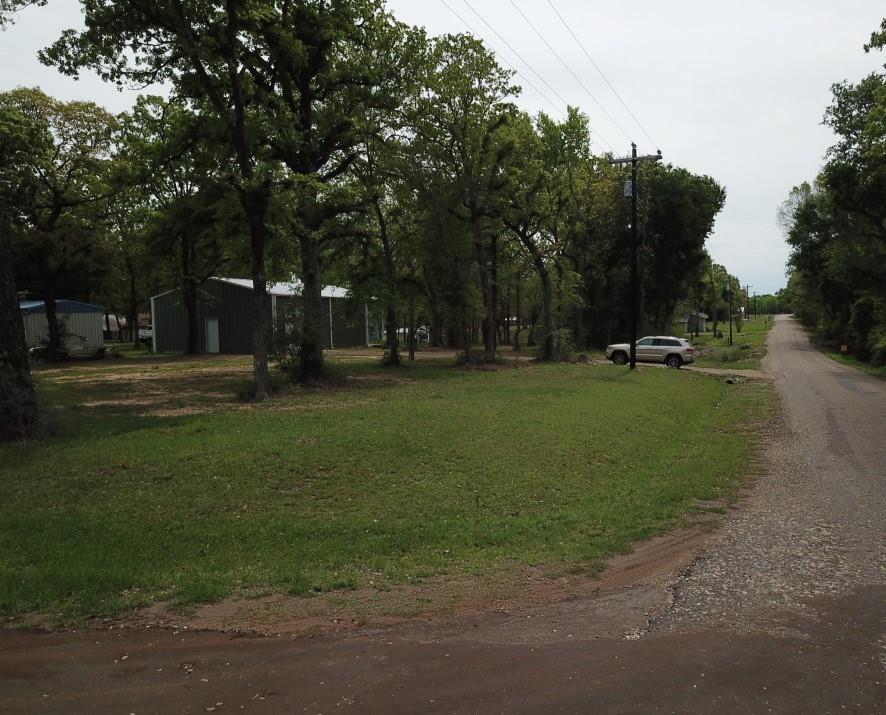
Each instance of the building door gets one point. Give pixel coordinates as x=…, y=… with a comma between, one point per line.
x=212, y=335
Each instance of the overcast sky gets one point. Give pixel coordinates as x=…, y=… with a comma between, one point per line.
x=734, y=90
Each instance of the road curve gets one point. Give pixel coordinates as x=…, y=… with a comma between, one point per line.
x=784, y=611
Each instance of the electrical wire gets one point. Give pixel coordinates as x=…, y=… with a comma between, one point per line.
x=523, y=60
x=600, y=72
x=570, y=70
x=505, y=60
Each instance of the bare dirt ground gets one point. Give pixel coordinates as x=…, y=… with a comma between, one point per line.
x=782, y=609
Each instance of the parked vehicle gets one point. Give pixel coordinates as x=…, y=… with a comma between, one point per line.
x=666, y=349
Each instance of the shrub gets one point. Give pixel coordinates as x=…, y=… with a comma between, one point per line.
x=562, y=346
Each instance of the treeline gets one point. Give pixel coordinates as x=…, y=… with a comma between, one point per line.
x=327, y=141
x=836, y=225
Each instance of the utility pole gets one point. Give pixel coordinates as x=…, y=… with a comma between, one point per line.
x=634, y=161
x=729, y=293
x=747, y=301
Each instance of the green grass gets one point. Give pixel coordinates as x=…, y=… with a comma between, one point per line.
x=876, y=371
x=158, y=485
x=746, y=352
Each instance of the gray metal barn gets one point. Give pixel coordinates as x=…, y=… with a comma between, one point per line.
x=82, y=325
x=225, y=317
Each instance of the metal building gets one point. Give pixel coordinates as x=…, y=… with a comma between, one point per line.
x=224, y=317
x=82, y=325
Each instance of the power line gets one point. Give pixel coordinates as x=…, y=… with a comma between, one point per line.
x=523, y=60
x=505, y=60
x=570, y=70
x=600, y=72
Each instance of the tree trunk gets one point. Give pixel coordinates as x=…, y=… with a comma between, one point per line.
x=412, y=328
x=133, y=304
x=260, y=307
x=486, y=284
x=54, y=349
x=506, y=322
x=547, y=312
x=519, y=316
x=254, y=198
x=189, y=293
x=393, y=339
x=313, y=324
x=391, y=279
x=547, y=350
x=18, y=403
x=436, y=329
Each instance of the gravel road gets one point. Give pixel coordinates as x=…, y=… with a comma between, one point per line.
x=783, y=610
x=816, y=525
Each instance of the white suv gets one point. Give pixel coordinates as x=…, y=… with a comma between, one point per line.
x=667, y=349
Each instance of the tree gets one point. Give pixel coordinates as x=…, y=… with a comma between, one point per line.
x=212, y=54
x=836, y=226
x=173, y=214
x=62, y=243
x=458, y=121
x=680, y=208
x=286, y=85
x=23, y=145
x=529, y=214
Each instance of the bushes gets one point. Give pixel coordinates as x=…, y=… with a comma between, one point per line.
x=562, y=346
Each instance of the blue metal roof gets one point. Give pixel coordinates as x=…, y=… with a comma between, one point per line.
x=61, y=306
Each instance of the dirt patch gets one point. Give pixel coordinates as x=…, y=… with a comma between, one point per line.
x=650, y=565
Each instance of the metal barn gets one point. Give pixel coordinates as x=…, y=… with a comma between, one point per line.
x=82, y=325
x=225, y=317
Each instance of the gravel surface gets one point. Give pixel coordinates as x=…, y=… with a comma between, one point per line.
x=815, y=525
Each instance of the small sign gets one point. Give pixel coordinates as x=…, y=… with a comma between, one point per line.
x=844, y=348
x=629, y=188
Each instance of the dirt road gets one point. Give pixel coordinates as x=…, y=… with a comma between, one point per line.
x=783, y=611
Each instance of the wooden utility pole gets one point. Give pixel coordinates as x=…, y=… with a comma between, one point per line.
x=729, y=293
x=634, y=161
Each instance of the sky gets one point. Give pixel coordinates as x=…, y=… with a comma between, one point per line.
x=735, y=90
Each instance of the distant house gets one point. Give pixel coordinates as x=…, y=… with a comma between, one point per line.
x=697, y=322
x=225, y=317
x=688, y=323
x=679, y=326
x=81, y=325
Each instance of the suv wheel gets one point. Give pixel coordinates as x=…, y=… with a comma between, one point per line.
x=674, y=361
x=619, y=358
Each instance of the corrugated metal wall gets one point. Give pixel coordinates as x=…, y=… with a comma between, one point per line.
x=348, y=322
x=230, y=304
x=83, y=332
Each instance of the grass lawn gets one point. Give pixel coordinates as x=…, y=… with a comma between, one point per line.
x=157, y=484
x=876, y=371
x=746, y=352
